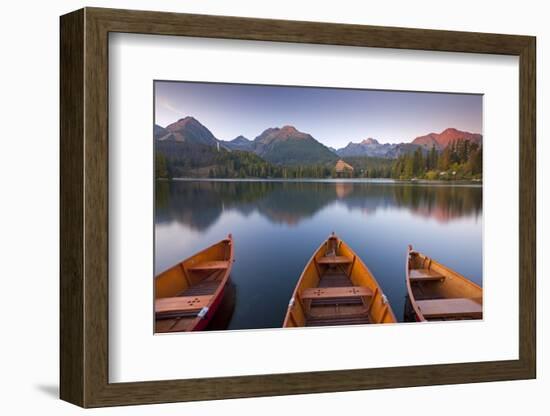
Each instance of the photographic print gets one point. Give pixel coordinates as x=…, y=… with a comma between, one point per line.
x=290, y=206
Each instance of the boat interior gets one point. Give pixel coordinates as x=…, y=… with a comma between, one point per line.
x=336, y=301
x=440, y=293
x=333, y=290
x=183, y=292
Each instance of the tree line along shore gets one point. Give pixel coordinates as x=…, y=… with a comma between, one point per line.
x=460, y=160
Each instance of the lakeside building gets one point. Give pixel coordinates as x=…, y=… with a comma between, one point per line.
x=343, y=169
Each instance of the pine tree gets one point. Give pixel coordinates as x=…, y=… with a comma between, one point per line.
x=161, y=168
x=445, y=159
x=475, y=162
x=433, y=156
x=408, y=168
x=418, y=162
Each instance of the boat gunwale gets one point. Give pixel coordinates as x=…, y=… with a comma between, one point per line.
x=295, y=291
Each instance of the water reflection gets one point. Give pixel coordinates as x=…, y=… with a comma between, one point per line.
x=199, y=204
x=277, y=225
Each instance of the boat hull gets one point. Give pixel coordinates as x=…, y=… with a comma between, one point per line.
x=203, y=323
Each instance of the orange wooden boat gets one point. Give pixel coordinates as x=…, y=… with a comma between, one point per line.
x=437, y=293
x=188, y=294
x=336, y=288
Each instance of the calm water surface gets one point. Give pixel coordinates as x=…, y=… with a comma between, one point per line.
x=277, y=226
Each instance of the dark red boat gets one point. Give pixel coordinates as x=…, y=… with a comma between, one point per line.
x=188, y=294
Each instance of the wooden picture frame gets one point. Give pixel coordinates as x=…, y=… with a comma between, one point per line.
x=84, y=207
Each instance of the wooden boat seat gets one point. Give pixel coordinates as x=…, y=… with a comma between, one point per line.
x=450, y=308
x=180, y=305
x=335, y=292
x=355, y=319
x=420, y=275
x=333, y=260
x=357, y=301
x=210, y=265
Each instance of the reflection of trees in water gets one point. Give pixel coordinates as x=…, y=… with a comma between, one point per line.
x=199, y=204
x=190, y=205
x=369, y=197
x=291, y=202
x=442, y=203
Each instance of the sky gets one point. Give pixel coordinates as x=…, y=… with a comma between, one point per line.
x=333, y=116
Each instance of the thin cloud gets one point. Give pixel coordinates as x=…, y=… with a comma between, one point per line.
x=165, y=104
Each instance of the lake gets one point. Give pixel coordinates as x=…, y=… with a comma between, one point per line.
x=277, y=225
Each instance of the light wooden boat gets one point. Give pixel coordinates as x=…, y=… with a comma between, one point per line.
x=188, y=294
x=336, y=288
x=437, y=293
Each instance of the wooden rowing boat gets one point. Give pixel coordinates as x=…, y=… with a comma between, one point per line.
x=437, y=293
x=336, y=288
x=188, y=294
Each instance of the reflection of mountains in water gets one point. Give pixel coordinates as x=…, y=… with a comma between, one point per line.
x=198, y=204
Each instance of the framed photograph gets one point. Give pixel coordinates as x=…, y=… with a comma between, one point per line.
x=257, y=207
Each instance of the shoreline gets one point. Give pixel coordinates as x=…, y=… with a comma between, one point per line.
x=335, y=180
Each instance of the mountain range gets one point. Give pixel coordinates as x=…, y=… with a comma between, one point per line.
x=445, y=138
x=373, y=148
x=187, y=130
x=285, y=145
x=187, y=139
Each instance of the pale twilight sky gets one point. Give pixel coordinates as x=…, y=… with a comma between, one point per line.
x=333, y=116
